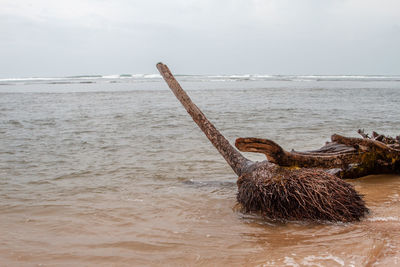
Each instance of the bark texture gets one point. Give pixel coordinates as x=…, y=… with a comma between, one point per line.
x=233, y=157
x=346, y=157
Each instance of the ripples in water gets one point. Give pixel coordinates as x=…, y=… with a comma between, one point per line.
x=115, y=175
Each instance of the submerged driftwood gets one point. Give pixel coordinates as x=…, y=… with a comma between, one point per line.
x=277, y=192
x=346, y=157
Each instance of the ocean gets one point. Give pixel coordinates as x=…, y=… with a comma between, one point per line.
x=111, y=170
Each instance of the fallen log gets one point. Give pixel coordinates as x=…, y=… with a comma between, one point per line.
x=277, y=192
x=345, y=157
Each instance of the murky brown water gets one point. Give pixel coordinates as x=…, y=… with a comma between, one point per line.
x=116, y=174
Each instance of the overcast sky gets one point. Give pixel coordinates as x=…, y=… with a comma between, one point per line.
x=61, y=38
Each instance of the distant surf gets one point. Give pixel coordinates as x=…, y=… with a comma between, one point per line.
x=112, y=78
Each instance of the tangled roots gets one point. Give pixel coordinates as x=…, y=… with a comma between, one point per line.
x=302, y=194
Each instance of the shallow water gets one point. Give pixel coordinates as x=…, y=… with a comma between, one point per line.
x=115, y=172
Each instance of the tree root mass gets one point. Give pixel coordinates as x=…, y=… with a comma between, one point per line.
x=301, y=194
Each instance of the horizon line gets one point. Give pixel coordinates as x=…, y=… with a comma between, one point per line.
x=156, y=75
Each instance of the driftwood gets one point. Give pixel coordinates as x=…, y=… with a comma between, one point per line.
x=345, y=157
x=277, y=192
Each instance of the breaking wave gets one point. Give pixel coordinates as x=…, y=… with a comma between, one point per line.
x=210, y=78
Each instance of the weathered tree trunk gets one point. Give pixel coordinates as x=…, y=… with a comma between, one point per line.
x=345, y=157
x=233, y=157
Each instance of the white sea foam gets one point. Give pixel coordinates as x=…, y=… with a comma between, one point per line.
x=313, y=260
x=290, y=262
x=76, y=79
x=138, y=75
x=112, y=76
x=120, y=76
x=31, y=79
x=151, y=76
x=240, y=76
x=384, y=219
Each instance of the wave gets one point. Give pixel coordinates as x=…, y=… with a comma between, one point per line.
x=30, y=79
x=294, y=78
x=198, y=78
x=77, y=79
x=83, y=77
x=132, y=76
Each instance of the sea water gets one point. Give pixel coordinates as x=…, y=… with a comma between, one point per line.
x=111, y=170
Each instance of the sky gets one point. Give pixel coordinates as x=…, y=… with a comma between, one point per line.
x=49, y=38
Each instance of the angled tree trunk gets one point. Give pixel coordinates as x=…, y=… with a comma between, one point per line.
x=233, y=157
